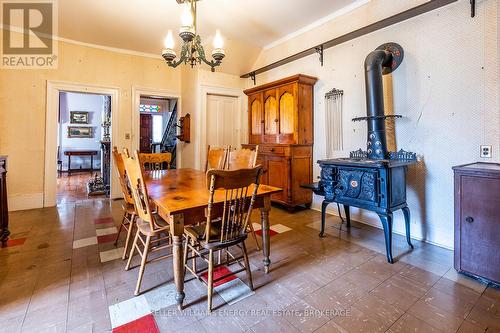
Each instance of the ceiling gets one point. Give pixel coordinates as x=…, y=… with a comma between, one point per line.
x=141, y=25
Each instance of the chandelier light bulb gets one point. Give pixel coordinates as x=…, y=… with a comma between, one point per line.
x=169, y=40
x=218, y=41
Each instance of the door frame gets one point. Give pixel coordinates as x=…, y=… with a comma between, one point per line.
x=54, y=88
x=137, y=92
x=200, y=141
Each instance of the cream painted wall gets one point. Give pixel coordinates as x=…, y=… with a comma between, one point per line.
x=195, y=83
x=447, y=89
x=23, y=103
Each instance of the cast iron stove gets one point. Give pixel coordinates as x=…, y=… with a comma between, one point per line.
x=374, y=179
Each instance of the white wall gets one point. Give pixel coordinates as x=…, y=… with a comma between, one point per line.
x=80, y=102
x=447, y=90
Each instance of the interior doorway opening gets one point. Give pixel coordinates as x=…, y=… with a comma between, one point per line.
x=158, y=125
x=83, y=146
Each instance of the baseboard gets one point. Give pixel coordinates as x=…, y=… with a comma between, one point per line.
x=25, y=201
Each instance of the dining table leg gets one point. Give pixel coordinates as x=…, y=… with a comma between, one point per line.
x=264, y=220
x=176, y=230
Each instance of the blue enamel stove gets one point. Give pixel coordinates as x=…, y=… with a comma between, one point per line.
x=374, y=179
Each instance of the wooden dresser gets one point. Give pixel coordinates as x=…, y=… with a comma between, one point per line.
x=280, y=121
x=477, y=220
x=4, y=216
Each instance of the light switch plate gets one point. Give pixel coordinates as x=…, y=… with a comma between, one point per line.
x=127, y=136
x=485, y=151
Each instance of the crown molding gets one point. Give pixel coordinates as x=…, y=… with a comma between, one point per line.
x=94, y=46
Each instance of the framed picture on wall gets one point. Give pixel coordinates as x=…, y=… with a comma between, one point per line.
x=79, y=132
x=79, y=117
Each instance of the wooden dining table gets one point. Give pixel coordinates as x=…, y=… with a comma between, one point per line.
x=181, y=197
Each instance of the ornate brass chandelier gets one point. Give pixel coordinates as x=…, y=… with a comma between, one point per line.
x=192, y=51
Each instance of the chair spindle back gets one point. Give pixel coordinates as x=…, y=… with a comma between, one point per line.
x=156, y=161
x=242, y=158
x=138, y=189
x=238, y=204
x=122, y=176
x=216, y=157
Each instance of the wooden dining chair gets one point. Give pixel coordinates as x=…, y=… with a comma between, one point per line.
x=238, y=190
x=216, y=157
x=244, y=159
x=128, y=206
x=152, y=231
x=157, y=161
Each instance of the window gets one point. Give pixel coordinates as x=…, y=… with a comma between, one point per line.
x=157, y=128
x=149, y=108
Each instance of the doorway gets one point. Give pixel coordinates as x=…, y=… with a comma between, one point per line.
x=222, y=116
x=83, y=146
x=51, y=134
x=158, y=125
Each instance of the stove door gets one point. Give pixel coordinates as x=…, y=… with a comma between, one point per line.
x=357, y=185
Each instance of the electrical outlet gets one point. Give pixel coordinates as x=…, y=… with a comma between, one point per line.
x=485, y=151
x=127, y=136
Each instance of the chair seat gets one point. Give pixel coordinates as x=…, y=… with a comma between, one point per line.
x=145, y=227
x=197, y=232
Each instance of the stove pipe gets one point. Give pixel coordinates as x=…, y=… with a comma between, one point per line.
x=375, y=63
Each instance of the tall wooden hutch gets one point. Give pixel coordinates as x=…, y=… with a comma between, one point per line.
x=280, y=121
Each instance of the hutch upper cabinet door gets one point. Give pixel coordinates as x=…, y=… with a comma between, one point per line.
x=270, y=116
x=288, y=113
x=256, y=117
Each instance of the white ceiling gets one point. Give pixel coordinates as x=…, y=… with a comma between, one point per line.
x=141, y=25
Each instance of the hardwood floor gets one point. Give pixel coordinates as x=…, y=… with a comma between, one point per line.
x=61, y=272
x=73, y=188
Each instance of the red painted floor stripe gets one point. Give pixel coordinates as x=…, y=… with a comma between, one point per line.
x=16, y=242
x=219, y=272
x=146, y=324
x=104, y=220
x=271, y=232
x=106, y=238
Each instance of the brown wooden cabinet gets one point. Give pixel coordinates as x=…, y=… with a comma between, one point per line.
x=477, y=220
x=280, y=121
x=4, y=215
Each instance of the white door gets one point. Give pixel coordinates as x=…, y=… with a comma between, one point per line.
x=221, y=120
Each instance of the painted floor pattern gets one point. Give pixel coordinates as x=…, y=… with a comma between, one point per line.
x=61, y=272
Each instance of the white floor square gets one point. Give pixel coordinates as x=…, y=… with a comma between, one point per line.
x=160, y=298
x=256, y=226
x=128, y=311
x=280, y=228
x=106, y=231
x=84, y=242
x=234, y=291
x=112, y=254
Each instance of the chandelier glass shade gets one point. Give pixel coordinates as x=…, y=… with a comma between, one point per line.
x=192, y=52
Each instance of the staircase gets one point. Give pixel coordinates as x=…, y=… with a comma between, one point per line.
x=169, y=139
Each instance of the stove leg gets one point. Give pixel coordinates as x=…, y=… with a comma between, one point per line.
x=406, y=212
x=386, y=220
x=324, y=204
x=347, y=216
